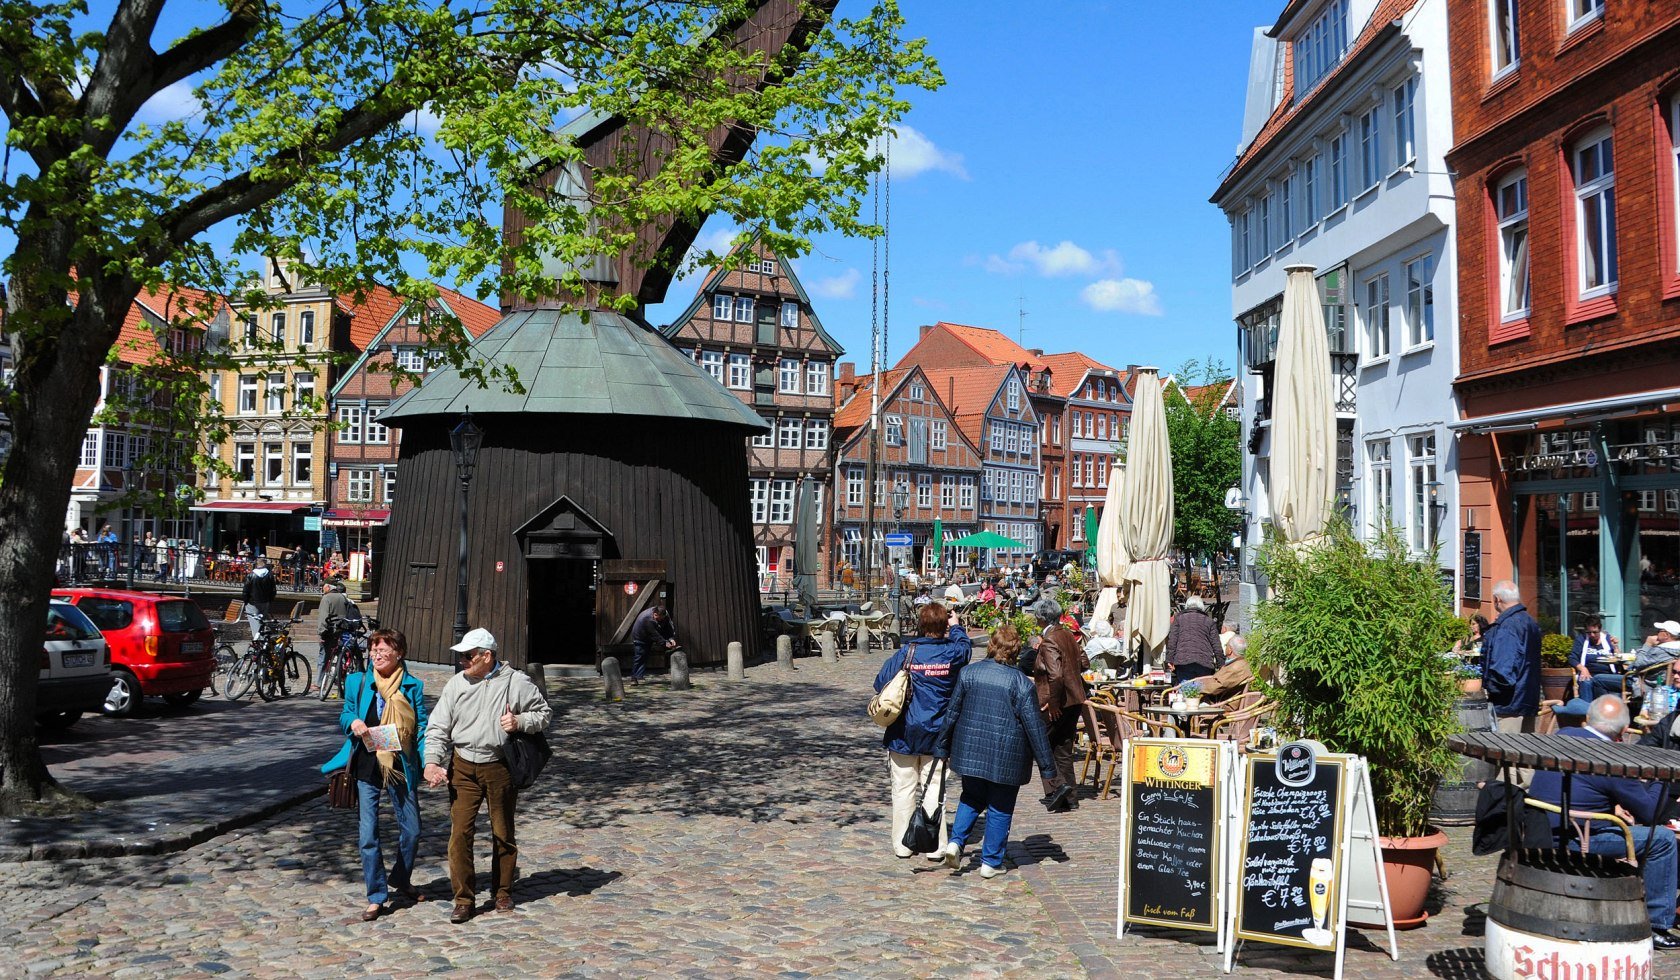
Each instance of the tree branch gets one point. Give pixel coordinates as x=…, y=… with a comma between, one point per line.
x=196, y=53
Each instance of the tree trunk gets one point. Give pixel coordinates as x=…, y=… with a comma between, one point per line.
x=56, y=389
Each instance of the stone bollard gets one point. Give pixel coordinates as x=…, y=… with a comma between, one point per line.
x=784, y=652
x=679, y=671
x=614, y=678
x=535, y=672
x=829, y=647
x=864, y=642
x=737, y=663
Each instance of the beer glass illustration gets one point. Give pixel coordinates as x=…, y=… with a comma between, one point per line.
x=1318, y=896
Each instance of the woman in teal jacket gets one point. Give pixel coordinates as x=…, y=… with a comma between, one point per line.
x=388, y=697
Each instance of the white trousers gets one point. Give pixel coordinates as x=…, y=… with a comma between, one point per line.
x=907, y=774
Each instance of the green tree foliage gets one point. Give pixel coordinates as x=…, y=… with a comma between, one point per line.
x=1206, y=457
x=309, y=137
x=1357, y=631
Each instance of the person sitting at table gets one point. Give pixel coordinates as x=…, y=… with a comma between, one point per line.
x=1103, y=649
x=1595, y=661
x=1607, y=719
x=954, y=595
x=1192, y=642
x=1473, y=642
x=1233, y=678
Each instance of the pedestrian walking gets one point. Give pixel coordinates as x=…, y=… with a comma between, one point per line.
x=1059, y=686
x=386, y=696
x=652, y=630
x=992, y=735
x=1511, y=664
x=936, y=656
x=259, y=590
x=470, y=723
x=1193, y=648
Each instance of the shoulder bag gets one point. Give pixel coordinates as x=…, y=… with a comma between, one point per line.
x=922, y=835
x=524, y=753
x=885, y=707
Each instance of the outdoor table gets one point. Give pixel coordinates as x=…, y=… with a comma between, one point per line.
x=1193, y=719
x=1522, y=874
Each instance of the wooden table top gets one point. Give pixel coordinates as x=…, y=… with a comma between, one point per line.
x=1562, y=753
x=1205, y=709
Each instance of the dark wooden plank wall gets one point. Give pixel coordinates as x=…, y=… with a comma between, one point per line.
x=667, y=489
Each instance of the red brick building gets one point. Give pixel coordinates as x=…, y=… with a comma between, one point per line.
x=1566, y=120
x=1095, y=422
x=923, y=447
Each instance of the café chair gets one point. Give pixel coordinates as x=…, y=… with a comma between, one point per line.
x=1119, y=726
x=1239, y=725
x=1582, y=820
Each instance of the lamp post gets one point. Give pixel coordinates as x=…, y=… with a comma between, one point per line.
x=464, y=441
x=1437, y=509
x=900, y=500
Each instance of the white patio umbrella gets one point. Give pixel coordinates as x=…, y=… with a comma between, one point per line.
x=1303, y=475
x=1112, y=559
x=1146, y=517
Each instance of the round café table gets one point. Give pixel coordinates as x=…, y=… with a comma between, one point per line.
x=1193, y=721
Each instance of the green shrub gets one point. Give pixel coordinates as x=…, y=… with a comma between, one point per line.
x=1555, y=649
x=1356, y=632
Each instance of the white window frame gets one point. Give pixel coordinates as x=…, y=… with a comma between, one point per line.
x=758, y=492
x=854, y=487
x=303, y=390
x=274, y=391
x=924, y=491
x=996, y=437
x=711, y=362
x=790, y=433
x=1375, y=313
x=723, y=306
x=816, y=434
x=1014, y=395
x=1286, y=209
x=303, y=464
x=1422, y=469
x=390, y=482
x=965, y=493
x=816, y=377
x=894, y=430
x=938, y=435
x=306, y=328
x=247, y=394
x=1510, y=203
x=781, y=501
x=1583, y=12
x=1379, y=480
x=1404, y=100
x=1370, y=149
x=375, y=434
x=1601, y=189
x=947, y=492
x=767, y=438
x=277, y=327
x=245, y=463
x=274, y=463
x=358, y=486
x=1502, y=23
x=1338, y=170
x=1311, y=187
x=787, y=376
x=1420, y=302
x=740, y=372
x=90, y=450
x=1264, y=230
x=744, y=307
x=790, y=315
x=350, y=425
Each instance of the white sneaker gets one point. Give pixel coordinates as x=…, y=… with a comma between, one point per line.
x=987, y=871
x=938, y=855
x=903, y=852
x=951, y=855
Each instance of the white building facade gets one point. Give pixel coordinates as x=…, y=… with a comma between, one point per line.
x=1349, y=118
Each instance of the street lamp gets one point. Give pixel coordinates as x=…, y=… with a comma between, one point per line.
x=1437, y=508
x=464, y=441
x=900, y=500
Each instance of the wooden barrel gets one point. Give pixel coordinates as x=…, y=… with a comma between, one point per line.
x=1454, y=802
x=1557, y=914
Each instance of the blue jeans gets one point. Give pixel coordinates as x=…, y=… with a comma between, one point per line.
x=1658, y=866
x=998, y=801
x=638, y=661
x=405, y=803
x=1603, y=684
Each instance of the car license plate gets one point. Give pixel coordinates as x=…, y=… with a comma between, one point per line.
x=194, y=647
x=78, y=659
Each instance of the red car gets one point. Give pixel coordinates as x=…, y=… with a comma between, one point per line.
x=160, y=645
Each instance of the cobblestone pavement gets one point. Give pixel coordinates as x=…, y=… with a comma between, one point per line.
x=732, y=830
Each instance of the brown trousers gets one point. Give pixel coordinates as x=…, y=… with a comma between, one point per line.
x=470, y=784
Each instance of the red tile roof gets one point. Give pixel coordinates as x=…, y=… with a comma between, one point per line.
x=137, y=340
x=991, y=344
x=854, y=412
x=1387, y=12
x=968, y=392
x=476, y=317
x=373, y=309
x=1067, y=370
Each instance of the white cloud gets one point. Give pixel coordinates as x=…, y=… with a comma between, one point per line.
x=912, y=153
x=173, y=103
x=424, y=121
x=842, y=286
x=1064, y=258
x=1122, y=296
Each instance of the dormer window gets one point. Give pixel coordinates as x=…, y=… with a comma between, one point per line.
x=1320, y=46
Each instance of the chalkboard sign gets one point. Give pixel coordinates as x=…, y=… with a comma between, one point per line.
x=1473, y=565
x=1287, y=829
x=1170, y=841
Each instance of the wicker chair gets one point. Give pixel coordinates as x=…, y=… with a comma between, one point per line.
x=1582, y=819
x=1117, y=727
x=1237, y=726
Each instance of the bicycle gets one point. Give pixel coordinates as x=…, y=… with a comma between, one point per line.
x=350, y=657
x=226, y=656
x=271, y=665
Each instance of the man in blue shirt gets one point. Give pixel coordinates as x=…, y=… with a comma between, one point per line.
x=1511, y=661
x=1607, y=718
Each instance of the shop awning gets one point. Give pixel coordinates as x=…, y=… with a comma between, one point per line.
x=376, y=516
x=1590, y=410
x=251, y=507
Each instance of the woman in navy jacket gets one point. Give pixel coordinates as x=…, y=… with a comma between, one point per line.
x=993, y=733
x=385, y=694
x=937, y=654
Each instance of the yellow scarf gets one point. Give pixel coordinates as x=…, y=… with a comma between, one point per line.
x=397, y=712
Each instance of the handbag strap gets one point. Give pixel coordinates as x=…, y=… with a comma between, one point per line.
x=921, y=795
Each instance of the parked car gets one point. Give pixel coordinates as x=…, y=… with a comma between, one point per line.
x=160, y=645
x=75, y=668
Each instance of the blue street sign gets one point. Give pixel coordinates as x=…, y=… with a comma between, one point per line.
x=899, y=539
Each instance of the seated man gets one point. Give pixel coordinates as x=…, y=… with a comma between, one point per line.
x=1234, y=677
x=1607, y=718
x=1596, y=664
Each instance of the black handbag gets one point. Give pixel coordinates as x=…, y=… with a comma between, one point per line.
x=922, y=836
x=524, y=754
x=341, y=790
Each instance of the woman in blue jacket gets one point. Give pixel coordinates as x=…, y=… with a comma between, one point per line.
x=385, y=694
x=936, y=654
x=993, y=733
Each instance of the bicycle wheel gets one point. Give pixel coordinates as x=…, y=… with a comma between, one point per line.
x=270, y=679
x=240, y=677
x=225, y=656
x=330, y=677
x=295, y=674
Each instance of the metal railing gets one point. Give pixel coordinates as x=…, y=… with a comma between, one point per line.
x=138, y=563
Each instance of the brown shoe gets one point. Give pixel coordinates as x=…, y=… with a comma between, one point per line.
x=372, y=912
x=463, y=912
x=504, y=904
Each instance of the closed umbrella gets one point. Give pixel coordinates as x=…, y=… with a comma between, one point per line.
x=1091, y=537
x=1112, y=557
x=1146, y=517
x=1303, y=475
x=805, y=545
x=937, y=542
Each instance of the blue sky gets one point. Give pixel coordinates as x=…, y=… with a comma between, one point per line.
x=1064, y=169
x=1101, y=125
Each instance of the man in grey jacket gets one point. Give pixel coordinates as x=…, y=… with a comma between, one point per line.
x=469, y=726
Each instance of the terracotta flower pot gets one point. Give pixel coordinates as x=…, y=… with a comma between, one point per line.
x=1555, y=682
x=1470, y=685
x=1409, y=863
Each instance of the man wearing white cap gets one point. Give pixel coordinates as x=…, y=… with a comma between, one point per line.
x=468, y=728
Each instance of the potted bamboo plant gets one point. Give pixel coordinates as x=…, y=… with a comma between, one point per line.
x=1356, y=631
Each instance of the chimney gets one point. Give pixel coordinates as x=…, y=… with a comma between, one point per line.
x=1036, y=351
x=848, y=379
x=924, y=330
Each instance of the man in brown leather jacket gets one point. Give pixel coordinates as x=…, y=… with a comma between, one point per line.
x=1060, y=691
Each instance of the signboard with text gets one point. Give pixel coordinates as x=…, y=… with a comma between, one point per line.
x=1172, y=837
